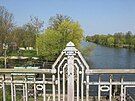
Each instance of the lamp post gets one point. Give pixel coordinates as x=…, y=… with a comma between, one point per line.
x=5, y=47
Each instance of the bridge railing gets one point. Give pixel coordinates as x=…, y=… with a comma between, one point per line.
x=69, y=79
x=28, y=82
x=112, y=82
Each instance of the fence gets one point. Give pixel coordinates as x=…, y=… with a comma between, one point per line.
x=69, y=79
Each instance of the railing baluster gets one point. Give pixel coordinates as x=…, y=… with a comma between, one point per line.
x=64, y=81
x=44, y=88
x=87, y=88
x=3, y=87
x=53, y=86
x=99, y=91
x=26, y=89
x=58, y=84
x=35, y=91
x=12, y=88
x=82, y=82
x=77, y=83
x=24, y=96
x=110, y=93
x=122, y=93
x=14, y=92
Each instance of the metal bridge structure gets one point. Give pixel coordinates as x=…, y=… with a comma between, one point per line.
x=69, y=79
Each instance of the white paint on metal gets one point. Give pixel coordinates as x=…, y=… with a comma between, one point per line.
x=39, y=87
x=110, y=92
x=104, y=88
x=70, y=78
x=35, y=89
x=53, y=86
x=44, y=88
x=3, y=87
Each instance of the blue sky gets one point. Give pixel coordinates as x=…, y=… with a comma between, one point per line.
x=95, y=16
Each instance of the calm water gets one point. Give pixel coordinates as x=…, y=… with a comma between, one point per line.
x=105, y=57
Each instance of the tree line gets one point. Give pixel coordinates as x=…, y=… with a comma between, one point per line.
x=119, y=39
x=47, y=41
x=17, y=36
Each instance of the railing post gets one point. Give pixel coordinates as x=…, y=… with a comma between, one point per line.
x=99, y=91
x=122, y=93
x=3, y=88
x=70, y=78
x=87, y=88
x=44, y=88
x=26, y=89
x=53, y=86
x=35, y=91
x=110, y=93
x=12, y=89
x=70, y=52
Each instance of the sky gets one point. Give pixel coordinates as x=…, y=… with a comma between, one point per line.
x=94, y=16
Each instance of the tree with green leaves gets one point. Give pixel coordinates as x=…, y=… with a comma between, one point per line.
x=110, y=41
x=119, y=39
x=54, y=39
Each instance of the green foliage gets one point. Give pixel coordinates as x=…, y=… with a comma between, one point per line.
x=27, y=53
x=57, y=35
x=110, y=41
x=119, y=39
x=49, y=44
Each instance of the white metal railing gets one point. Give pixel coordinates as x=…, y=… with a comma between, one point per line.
x=69, y=79
x=109, y=81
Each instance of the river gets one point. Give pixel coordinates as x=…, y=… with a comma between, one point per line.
x=109, y=57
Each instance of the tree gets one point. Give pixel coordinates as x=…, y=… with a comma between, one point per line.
x=55, y=21
x=119, y=39
x=25, y=36
x=133, y=42
x=55, y=37
x=128, y=37
x=6, y=24
x=29, y=36
x=110, y=41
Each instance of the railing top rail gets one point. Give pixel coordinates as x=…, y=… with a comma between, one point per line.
x=46, y=71
x=110, y=71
